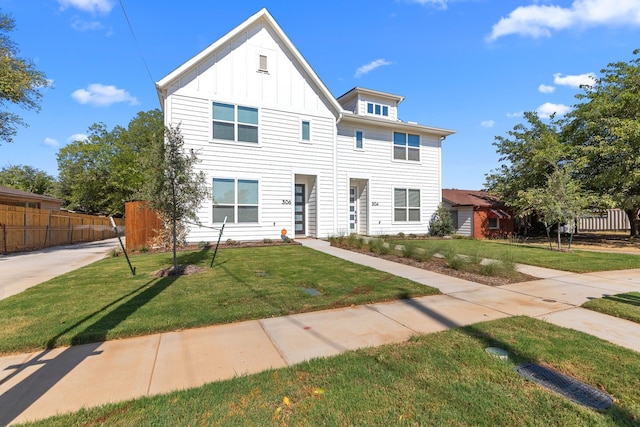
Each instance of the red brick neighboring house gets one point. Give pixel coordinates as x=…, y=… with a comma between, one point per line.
x=478, y=214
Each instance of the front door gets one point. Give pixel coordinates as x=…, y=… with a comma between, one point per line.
x=299, y=210
x=353, y=210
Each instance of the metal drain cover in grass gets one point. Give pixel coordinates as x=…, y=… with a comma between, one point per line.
x=570, y=388
x=311, y=291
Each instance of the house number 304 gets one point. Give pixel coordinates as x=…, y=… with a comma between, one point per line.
x=374, y=204
x=286, y=201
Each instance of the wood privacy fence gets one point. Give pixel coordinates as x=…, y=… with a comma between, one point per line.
x=24, y=229
x=142, y=225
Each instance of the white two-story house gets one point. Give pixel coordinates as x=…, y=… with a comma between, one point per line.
x=282, y=153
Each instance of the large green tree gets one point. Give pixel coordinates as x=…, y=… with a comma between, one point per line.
x=28, y=178
x=101, y=173
x=20, y=82
x=174, y=188
x=537, y=177
x=604, y=129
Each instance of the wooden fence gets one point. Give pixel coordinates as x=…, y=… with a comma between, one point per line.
x=24, y=229
x=142, y=225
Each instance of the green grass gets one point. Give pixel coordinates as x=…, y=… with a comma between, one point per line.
x=575, y=261
x=625, y=306
x=103, y=301
x=438, y=379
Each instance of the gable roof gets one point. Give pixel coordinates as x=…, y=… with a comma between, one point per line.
x=12, y=192
x=471, y=198
x=265, y=17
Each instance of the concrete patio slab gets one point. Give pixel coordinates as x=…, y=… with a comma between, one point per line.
x=555, y=289
x=195, y=357
x=306, y=336
x=618, y=331
x=509, y=302
x=435, y=313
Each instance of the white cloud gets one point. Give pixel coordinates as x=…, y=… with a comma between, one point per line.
x=77, y=137
x=81, y=25
x=574, y=81
x=50, y=142
x=441, y=4
x=103, y=95
x=546, y=89
x=91, y=6
x=515, y=115
x=547, y=109
x=487, y=124
x=367, y=68
x=540, y=20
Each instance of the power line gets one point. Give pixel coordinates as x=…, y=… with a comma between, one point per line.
x=135, y=39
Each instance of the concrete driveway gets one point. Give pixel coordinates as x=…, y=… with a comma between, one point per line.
x=26, y=269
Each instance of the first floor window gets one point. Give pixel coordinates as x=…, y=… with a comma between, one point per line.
x=494, y=223
x=406, y=146
x=406, y=205
x=235, y=199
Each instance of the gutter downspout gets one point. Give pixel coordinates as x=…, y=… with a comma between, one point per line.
x=335, y=175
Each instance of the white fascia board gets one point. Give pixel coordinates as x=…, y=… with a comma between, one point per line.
x=348, y=116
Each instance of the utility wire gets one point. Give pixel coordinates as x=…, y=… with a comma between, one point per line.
x=135, y=39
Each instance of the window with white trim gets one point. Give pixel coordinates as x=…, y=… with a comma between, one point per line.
x=406, y=205
x=358, y=142
x=377, y=109
x=406, y=147
x=262, y=63
x=305, y=130
x=494, y=223
x=235, y=122
x=235, y=199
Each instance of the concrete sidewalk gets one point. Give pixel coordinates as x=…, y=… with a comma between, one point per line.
x=38, y=385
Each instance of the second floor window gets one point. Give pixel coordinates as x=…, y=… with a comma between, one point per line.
x=406, y=146
x=235, y=122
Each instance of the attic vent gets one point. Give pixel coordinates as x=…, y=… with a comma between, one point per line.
x=262, y=66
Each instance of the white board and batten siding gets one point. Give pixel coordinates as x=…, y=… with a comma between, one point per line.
x=375, y=163
x=284, y=97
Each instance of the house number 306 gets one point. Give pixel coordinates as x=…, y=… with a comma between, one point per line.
x=286, y=201
x=374, y=204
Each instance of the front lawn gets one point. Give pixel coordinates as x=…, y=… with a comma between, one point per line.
x=445, y=378
x=103, y=301
x=576, y=261
x=625, y=306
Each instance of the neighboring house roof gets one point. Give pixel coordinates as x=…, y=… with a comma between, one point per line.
x=19, y=194
x=265, y=18
x=471, y=198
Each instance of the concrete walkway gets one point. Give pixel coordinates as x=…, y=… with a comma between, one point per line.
x=41, y=384
x=23, y=270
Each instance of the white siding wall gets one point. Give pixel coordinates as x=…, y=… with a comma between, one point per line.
x=465, y=221
x=376, y=164
x=284, y=98
x=362, y=106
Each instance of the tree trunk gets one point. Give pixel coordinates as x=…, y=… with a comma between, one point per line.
x=175, y=256
x=632, y=214
x=559, y=239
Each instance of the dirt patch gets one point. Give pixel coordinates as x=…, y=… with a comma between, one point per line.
x=182, y=270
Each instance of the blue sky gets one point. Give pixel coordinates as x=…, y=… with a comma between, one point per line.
x=473, y=66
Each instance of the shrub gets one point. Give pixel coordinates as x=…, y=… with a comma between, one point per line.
x=379, y=246
x=455, y=261
x=409, y=250
x=441, y=223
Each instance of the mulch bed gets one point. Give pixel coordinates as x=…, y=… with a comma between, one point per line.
x=439, y=265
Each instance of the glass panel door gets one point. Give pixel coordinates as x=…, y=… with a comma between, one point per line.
x=299, y=209
x=353, y=210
